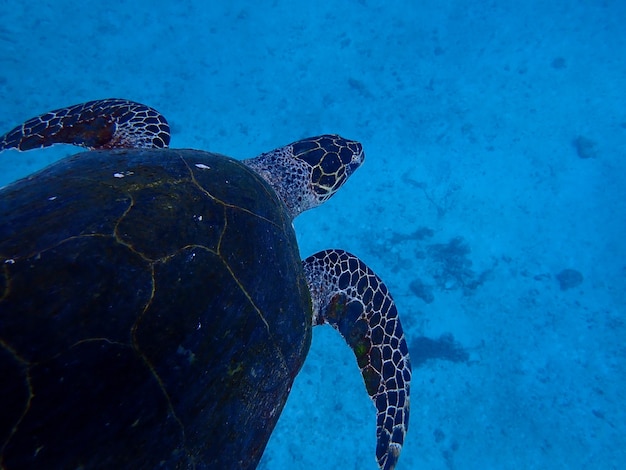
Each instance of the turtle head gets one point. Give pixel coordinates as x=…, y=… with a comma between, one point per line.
x=308, y=172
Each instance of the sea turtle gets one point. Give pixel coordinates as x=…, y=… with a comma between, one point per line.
x=154, y=310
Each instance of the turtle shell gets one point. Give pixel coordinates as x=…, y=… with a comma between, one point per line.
x=153, y=312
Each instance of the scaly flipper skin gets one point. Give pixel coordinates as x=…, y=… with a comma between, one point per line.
x=101, y=124
x=354, y=300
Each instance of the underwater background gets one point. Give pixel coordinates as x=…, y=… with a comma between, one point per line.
x=492, y=200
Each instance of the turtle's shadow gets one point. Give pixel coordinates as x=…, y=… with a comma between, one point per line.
x=423, y=349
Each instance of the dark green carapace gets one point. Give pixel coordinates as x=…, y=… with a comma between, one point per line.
x=140, y=319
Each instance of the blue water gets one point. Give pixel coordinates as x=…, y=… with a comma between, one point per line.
x=495, y=134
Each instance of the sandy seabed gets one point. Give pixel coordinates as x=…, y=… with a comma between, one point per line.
x=491, y=202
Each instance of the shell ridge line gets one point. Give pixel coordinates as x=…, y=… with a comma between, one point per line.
x=151, y=368
x=219, y=242
x=103, y=339
x=219, y=246
x=258, y=311
x=166, y=258
x=118, y=237
x=219, y=201
x=14, y=259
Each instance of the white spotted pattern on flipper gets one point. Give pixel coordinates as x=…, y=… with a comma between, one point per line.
x=354, y=300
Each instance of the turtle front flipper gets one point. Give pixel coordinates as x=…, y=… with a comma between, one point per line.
x=354, y=300
x=101, y=124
